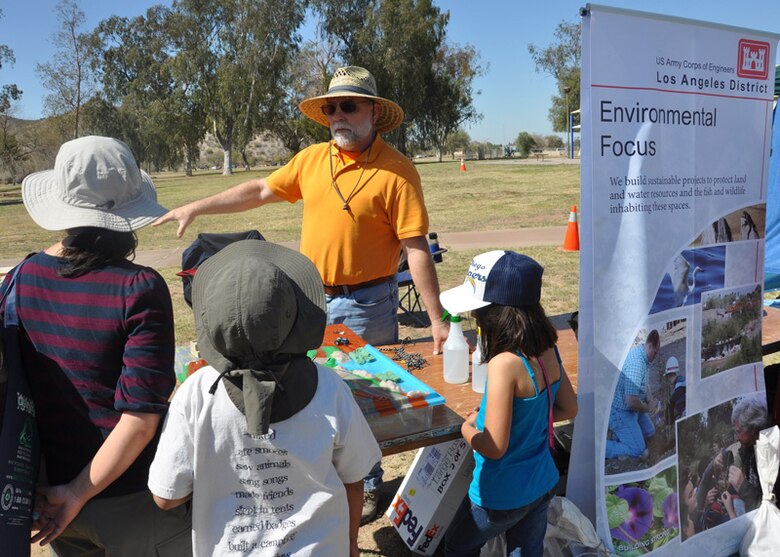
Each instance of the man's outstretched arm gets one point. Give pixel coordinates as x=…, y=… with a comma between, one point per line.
x=247, y=195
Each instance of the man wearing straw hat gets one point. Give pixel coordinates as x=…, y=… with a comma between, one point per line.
x=363, y=203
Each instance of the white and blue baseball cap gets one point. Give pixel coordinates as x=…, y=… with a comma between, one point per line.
x=499, y=277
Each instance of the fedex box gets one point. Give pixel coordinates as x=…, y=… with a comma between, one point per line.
x=431, y=492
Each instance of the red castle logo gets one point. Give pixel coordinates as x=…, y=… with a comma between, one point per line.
x=753, y=59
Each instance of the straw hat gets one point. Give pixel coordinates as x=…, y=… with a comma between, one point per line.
x=354, y=81
x=95, y=182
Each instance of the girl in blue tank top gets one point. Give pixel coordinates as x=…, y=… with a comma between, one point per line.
x=527, y=390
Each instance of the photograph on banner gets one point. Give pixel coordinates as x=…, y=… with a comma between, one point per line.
x=718, y=478
x=742, y=224
x=744, y=263
x=731, y=329
x=690, y=273
x=643, y=515
x=641, y=431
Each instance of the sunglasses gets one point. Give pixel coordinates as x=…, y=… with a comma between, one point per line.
x=347, y=107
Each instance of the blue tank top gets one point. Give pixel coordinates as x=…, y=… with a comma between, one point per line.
x=527, y=470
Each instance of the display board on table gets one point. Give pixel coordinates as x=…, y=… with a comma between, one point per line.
x=394, y=402
x=676, y=120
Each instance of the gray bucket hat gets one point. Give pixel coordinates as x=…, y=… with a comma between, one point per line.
x=95, y=182
x=259, y=307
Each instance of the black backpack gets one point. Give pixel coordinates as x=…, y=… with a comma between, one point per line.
x=203, y=247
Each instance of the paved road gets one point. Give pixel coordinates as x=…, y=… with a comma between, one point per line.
x=516, y=238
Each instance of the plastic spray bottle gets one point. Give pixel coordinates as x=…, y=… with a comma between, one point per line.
x=478, y=368
x=456, y=353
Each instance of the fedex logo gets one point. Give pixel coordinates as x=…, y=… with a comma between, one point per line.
x=429, y=535
x=753, y=59
x=404, y=517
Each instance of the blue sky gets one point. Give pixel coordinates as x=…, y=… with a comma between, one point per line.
x=513, y=96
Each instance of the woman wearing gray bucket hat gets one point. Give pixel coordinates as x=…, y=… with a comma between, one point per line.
x=270, y=446
x=98, y=353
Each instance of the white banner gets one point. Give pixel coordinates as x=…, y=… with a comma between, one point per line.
x=676, y=119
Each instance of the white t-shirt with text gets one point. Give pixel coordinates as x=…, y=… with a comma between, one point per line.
x=278, y=494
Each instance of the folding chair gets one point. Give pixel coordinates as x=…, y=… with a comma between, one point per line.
x=409, y=299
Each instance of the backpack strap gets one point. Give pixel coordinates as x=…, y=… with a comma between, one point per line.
x=8, y=299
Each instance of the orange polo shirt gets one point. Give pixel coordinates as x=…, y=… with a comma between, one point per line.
x=385, y=206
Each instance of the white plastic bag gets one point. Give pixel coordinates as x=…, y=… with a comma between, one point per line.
x=569, y=532
x=495, y=547
x=763, y=536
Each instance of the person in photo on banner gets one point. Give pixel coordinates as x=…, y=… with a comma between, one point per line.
x=630, y=418
x=675, y=391
x=363, y=203
x=98, y=351
x=748, y=417
x=527, y=390
x=729, y=485
x=271, y=447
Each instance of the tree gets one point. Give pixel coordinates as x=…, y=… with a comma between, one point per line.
x=554, y=141
x=68, y=75
x=539, y=140
x=9, y=92
x=12, y=153
x=457, y=140
x=451, y=94
x=309, y=74
x=235, y=53
x=403, y=38
x=524, y=142
x=158, y=115
x=561, y=59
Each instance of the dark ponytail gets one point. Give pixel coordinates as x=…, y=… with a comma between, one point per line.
x=88, y=248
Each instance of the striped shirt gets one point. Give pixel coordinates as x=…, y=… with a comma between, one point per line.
x=93, y=347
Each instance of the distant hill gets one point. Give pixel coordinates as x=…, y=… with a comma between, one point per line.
x=42, y=139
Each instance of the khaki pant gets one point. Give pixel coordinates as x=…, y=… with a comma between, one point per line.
x=127, y=526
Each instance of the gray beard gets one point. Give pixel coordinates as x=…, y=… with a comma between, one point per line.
x=348, y=142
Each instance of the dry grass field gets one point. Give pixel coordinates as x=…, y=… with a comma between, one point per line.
x=490, y=195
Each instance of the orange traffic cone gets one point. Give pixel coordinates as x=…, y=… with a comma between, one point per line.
x=462, y=164
x=571, y=242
